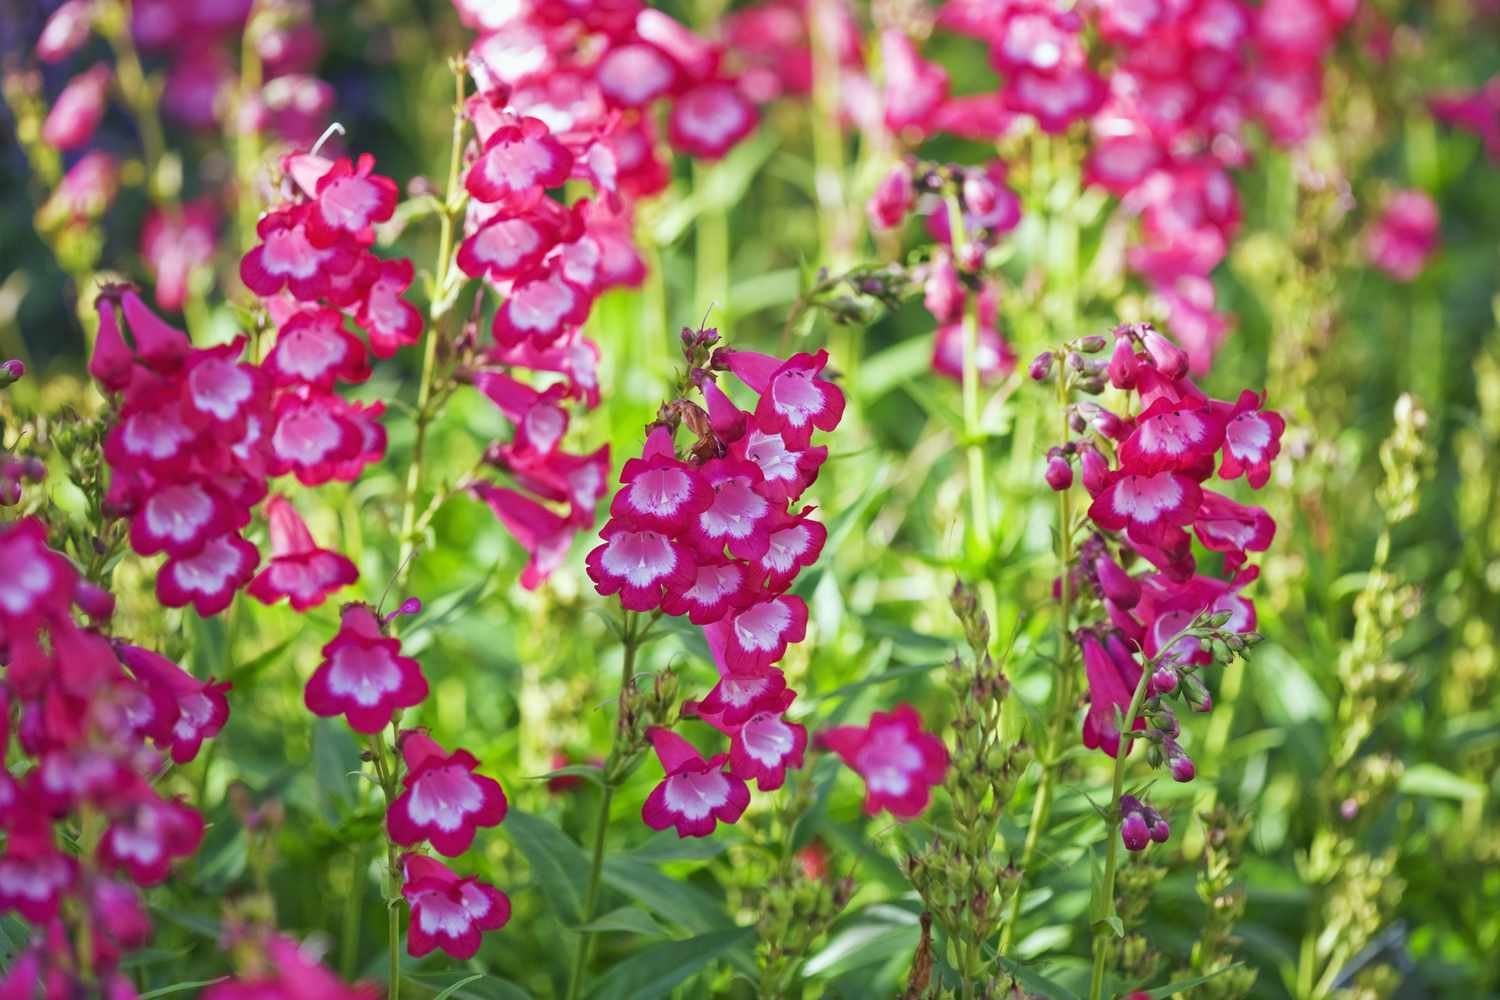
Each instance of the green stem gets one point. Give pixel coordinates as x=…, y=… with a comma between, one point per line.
x=353, y=912
x=1041, y=806
x=979, y=497
x=828, y=140
x=386, y=771
x=136, y=92
x=437, y=310
x=247, y=140
x=631, y=637
x=711, y=268
x=1112, y=827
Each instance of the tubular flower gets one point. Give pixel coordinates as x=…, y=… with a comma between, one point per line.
x=899, y=761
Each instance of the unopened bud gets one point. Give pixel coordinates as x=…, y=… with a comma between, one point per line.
x=1135, y=833
x=11, y=371
x=1092, y=344
x=1041, y=366
x=1183, y=769
x=1059, y=474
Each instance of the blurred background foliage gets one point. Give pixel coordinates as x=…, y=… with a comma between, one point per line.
x=520, y=678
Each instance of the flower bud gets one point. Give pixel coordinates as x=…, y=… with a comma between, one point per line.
x=941, y=293
x=1135, y=832
x=1160, y=831
x=1183, y=769
x=893, y=198
x=971, y=258
x=1122, y=364
x=1092, y=344
x=77, y=111
x=11, y=372
x=1170, y=359
x=1095, y=472
x=1163, y=681
x=65, y=31
x=1041, y=366
x=96, y=602
x=1059, y=473
x=1116, y=584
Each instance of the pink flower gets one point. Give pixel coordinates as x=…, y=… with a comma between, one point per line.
x=893, y=198
x=363, y=675
x=299, y=569
x=1252, y=439
x=313, y=348
x=520, y=158
x=787, y=471
x=175, y=247
x=38, y=582
x=65, y=31
x=447, y=911
x=914, y=87
x=295, y=975
x=1112, y=673
x=709, y=120
x=793, y=544
x=1178, y=436
x=76, y=112
x=995, y=358
x=1151, y=509
x=640, y=566
x=313, y=438
x=388, y=319
x=540, y=421
x=151, y=834
x=208, y=578
x=348, y=200
x=696, y=794
x=444, y=801
x=540, y=308
x=758, y=635
x=200, y=706
x=720, y=586
x=180, y=519
x=658, y=492
x=544, y=535
x=287, y=258
x=738, y=696
x=899, y=762
x=1406, y=235
x=510, y=245
x=793, y=399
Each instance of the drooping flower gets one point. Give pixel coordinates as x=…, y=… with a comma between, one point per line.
x=363, y=675
x=447, y=911
x=696, y=794
x=299, y=569
x=445, y=802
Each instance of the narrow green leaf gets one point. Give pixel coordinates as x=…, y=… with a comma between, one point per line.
x=558, y=865
x=655, y=971
x=1436, y=782
x=458, y=986
x=667, y=846
x=1035, y=982
x=588, y=772
x=678, y=902
x=180, y=988
x=1182, y=986
x=627, y=920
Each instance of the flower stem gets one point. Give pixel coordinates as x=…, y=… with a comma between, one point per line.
x=631, y=636
x=1041, y=806
x=1112, y=827
x=979, y=497
x=386, y=770
x=437, y=310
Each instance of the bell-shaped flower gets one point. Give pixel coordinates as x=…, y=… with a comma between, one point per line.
x=363, y=675
x=520, y=159
x=445, y=802
x=202, y=708
x=1181, y=437
x=1150, y=509
x=899, y=761
x=757, y=635
x=1252, y=439
x=208, y=578
x=544, y=535
x=148, y=836
x=448, y=912
x=1112, y=673
x=299, y=569
x=696, y=794
x=640, y=566
x=710, y=119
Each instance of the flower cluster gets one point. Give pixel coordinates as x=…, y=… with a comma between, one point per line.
x=1138, y=563
x=198, y=434
x=441, y=800
x=567, y=93
x=1168, y=121
x=198, y=90
x=93, y=718
x=716, y=536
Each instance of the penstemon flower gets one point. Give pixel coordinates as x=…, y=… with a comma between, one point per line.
x=899, y=761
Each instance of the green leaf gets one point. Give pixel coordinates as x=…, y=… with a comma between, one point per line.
x=655, y=971
x=667, y=846
x=1182, y=986
x=1035, y=982
x=335, y=755
x=588, y=772
x=180, y=988
x=1434, y=781
x=676, y=901
x=558, y=865
x=458, y=986
x=246, y=671
x=627, y=920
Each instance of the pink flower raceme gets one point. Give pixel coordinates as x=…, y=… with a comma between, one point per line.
x=445, y=802
x=363, y=675
x=201, y=431
x=87, y=710
x=696, y=794
x=899, y=761
x=1405, y=235
x=448, y=911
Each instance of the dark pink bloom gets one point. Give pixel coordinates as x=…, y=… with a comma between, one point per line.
x=893, y=198
x=640, y=566
x=720, y=586
x=299, y=569
x=447, y=911
x=1176, y=436
x=363, y=674
x=509, y=245
x=786, y=471
x=201, y=708
x=1405, y=236
x=175, y=246
x=914, y=87
x=794, y=543
x=287, y=257
x=86, y=190
x=444, y=802
x=348, y=201
x=540, y=308
x=1112, y=673
x=696, y=795
x=659, y=492
x=738, y=696
x=764, y=747
x=1151, y=509
x=1232, y=528
x=710, y=119
x=151, y=834
x=34, y=876
x=313, y=348
x=793, y=399
x=294, y=975
x=634, y=74
x=65, y=31
x=738, y=516
x=520, y=159
x=208, y=578
x=994, y=358
x=544, y=535
x=389, y=320
x=180, y=518
x=758, y=635
x=313, y=437
x=38, y=582
x=540, y=420
x=899, y=762
x=76, y=112
x=1252, y=439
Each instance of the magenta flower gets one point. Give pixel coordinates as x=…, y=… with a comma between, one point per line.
x=363, y=675
x=1405, y=236
x=793, y=399
x=299, y=569
x=695, y=795
x=1112, y=673
x=201, y=708
x=641, y=566
x=445, y=802
x=710, y=120
x=149, y=836
x=899, y=762
x=76, y=112
x=293, y=975
x=1150, y=509
x=447, y=911
x=209, y=578
x=313, y=349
